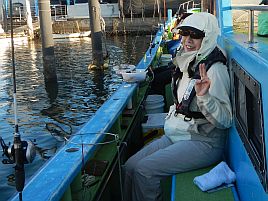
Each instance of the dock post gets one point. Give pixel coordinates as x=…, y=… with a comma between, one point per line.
x=29, y=20
x=4, y=19
x=96, y=34
x=47, y=40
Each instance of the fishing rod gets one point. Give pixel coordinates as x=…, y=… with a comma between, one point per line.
x=21, y=152
x=18, y=149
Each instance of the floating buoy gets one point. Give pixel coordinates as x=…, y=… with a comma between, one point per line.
x=105, y=65
x=93, y=67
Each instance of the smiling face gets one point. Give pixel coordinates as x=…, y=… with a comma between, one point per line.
x=190, y=44
x=202, y=26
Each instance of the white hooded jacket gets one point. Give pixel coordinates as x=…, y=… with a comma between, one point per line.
x=215, y=105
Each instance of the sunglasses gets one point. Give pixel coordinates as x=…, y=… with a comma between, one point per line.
x=192, y=34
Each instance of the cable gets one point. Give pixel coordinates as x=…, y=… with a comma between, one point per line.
x=120, y=171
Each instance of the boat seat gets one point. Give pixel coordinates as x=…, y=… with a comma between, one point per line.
x=184, y=189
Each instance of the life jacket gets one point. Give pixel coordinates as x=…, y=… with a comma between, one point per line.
x=184, y=106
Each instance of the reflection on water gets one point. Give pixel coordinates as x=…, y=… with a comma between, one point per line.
x=49, y=111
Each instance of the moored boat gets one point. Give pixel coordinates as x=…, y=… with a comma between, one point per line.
x=72, y=35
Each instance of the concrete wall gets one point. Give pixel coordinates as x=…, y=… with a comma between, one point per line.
x=113, y=26
x=81, y=10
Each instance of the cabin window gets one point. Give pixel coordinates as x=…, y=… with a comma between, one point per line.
x=249, y=118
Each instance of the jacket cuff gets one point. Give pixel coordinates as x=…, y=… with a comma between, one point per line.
x=204, y=98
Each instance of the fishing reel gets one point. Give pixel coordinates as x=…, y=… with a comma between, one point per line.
x=28, y=152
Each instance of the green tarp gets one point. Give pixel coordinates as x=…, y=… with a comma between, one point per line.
x=263, y=24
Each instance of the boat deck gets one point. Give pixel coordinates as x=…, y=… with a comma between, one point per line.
x=184, y=189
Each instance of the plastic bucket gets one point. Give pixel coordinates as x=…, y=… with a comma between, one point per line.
x=154, y=104
x=159, y=108
x=154, y=99
x=153, y=126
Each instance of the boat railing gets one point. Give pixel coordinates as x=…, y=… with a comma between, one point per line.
x=251, y=9
x=59, y=12
x=188, y=5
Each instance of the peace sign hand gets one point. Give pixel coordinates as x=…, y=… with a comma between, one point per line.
x=202, y=85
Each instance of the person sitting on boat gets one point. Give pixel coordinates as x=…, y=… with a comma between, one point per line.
x=196, y=125
x=173, y=44
x=162, y=75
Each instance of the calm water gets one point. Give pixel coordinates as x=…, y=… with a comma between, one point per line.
x=45, y=113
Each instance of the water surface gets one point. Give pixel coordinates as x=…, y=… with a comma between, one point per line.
x=46, y=112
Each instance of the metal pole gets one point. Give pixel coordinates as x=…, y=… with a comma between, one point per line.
x=36, y=8
x=47, y=40
x=6, y=7
x=96, y=34
x=251, y=26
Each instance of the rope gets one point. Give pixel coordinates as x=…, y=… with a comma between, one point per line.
x=134, y=43
x=131, y=10
x=155, y=3
x=103, y=24
x=142, y=11
x=164, y=2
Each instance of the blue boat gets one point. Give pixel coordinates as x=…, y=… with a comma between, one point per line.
x=114, y=132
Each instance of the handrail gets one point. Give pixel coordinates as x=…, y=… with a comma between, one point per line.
x=251, y=9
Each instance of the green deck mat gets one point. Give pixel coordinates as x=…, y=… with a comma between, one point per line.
x=186, y=190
